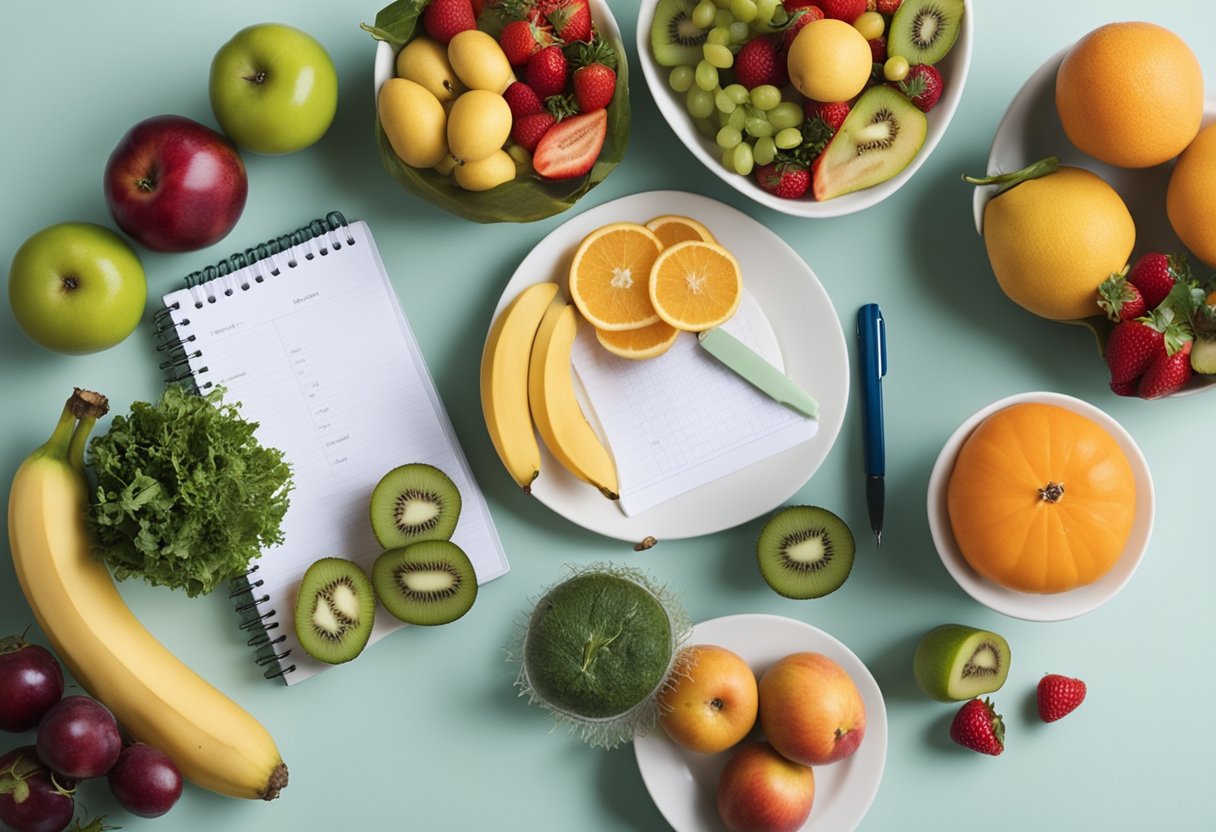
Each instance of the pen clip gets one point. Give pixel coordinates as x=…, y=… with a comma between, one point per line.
x=880, y=332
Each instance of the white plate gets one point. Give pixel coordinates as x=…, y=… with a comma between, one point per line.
x=809, y=336
x=1030, y=606
x=1030, y=130
x=954, y=68
x=683, y=784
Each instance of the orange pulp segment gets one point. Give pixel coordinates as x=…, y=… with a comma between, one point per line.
x=609, y=276
x=647, y=342
x=673, y=229
x=695, y=285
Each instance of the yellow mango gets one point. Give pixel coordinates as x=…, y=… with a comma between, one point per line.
x=479, y=123
x=479, y=61
x=485, y=173
x=414, y=122
x=425, y=61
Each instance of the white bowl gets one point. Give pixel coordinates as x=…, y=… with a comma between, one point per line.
x=954, y=68
x=1031, y=606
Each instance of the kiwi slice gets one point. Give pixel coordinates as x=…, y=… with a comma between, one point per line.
x=335, y=609
x=924, y=30
x=954, y=662
x=805, y=552
x=880, y=136
x=412, y=503
x=429, y=583
x=674, y=38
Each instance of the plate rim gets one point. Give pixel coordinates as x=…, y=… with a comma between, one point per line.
x=877, y=730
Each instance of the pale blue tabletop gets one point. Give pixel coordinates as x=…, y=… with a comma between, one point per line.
x=425, y=731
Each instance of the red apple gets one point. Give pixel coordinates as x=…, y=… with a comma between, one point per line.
x=810, y=709
x=712, y=704
x=761, y=791
x=173, y=184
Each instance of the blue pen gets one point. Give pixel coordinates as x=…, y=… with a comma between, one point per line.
x=872, y=356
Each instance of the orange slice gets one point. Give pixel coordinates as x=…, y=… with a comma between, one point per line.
x=609, y=277
x=647, y=342
x=695, y=285
x=673, y=229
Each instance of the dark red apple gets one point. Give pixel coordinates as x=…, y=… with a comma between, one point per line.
x=145, y=781
x=78, y=737
x=31, y=681
x=173, y=184
x=32, y=799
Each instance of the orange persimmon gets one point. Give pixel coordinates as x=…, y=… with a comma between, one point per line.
x=1041, y=499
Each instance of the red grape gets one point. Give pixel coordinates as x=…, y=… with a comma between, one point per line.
x=145, y=781
x=78, y=737
x=31, y=800
x=31, y=681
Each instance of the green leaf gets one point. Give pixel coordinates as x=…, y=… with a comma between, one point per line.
x=396, y=22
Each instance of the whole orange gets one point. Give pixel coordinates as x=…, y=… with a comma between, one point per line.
x=1130, y=94
x=1190, y=201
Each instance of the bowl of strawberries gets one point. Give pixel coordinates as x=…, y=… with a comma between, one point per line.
x=816, y=108
x=500, y=110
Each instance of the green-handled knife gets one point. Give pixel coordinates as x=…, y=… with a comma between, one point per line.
x=752, y=368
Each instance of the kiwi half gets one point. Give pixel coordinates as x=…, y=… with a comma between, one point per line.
x=412, y=503
x=335, y=610
x=674, y=38
x=805, y=552
x=428, y=583
x=924, y=30
x=954, y=662
x=879, y=137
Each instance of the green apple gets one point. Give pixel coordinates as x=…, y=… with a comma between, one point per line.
x=77, y=287
x=273, y=89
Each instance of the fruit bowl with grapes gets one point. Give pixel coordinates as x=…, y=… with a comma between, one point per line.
x=816, y=108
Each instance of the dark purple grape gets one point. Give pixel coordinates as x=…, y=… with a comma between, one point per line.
x=31, y=681
x=145, y=781
x=31, y=798
x=78, y=737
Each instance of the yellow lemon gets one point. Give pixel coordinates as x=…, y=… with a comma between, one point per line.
x=1190, y=201
x=829, y=60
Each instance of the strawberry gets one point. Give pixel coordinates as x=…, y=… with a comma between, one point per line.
x=521, y=39
x=1120, y=299
x=444, y=19
x=1059, y=696
x=760, y=62
x=978, y=727
x=846, y=10
x=878, y=49
x=1155, y=274
x=887, y=6
x=529, y=130
x=787, y=180
x=1168, y=372
x=922, y=86
x=595, y=79
x=800, y=18
x=571, y=146
x=522, y=100
x=832, y=114
x=546, y=71
x=1132, y=346
x=571, y=19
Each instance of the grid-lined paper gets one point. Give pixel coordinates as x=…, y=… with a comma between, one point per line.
x=322, y=357
x=681, y=420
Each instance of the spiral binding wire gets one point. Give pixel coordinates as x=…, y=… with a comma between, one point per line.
x=239, y=273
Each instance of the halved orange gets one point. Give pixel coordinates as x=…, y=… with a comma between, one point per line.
x=609, y=276
x=673, y=229
x=695, y=285
x=647, y=342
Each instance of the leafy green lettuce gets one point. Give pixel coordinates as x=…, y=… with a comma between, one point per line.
x=186, y=496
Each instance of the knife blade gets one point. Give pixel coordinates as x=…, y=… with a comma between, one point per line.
x=752, y=368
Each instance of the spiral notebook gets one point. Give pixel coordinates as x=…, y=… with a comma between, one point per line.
x=306, y=333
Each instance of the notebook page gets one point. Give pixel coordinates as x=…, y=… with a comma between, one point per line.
x=681, y=420
x=322, y=357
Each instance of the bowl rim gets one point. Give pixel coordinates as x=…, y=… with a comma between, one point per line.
x=1032, y=606
x=680, y=124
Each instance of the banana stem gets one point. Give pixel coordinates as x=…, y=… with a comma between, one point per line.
x=1005, y=181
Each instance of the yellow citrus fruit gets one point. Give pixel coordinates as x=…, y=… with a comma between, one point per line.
x=1130, y=94
x=609, y=276
x=695, y=285
x=647, y=342
x=1052, y=240
x=674, y=229
x=1190, y=200
x=829, y=60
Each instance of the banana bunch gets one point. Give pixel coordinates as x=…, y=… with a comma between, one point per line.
x=157, y=698
x=526, y=387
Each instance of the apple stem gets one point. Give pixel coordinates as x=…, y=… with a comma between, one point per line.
x=71, y=282
x=146, y=183
x=258, y=77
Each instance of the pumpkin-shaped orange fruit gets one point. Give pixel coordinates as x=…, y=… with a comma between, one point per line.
x=1041, y=499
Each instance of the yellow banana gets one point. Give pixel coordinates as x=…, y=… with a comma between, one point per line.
x=159, y=700
x=555, y=409
x=504, y=382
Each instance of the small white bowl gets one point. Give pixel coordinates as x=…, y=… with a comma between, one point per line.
x=1031, y=606
x=954, y=68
